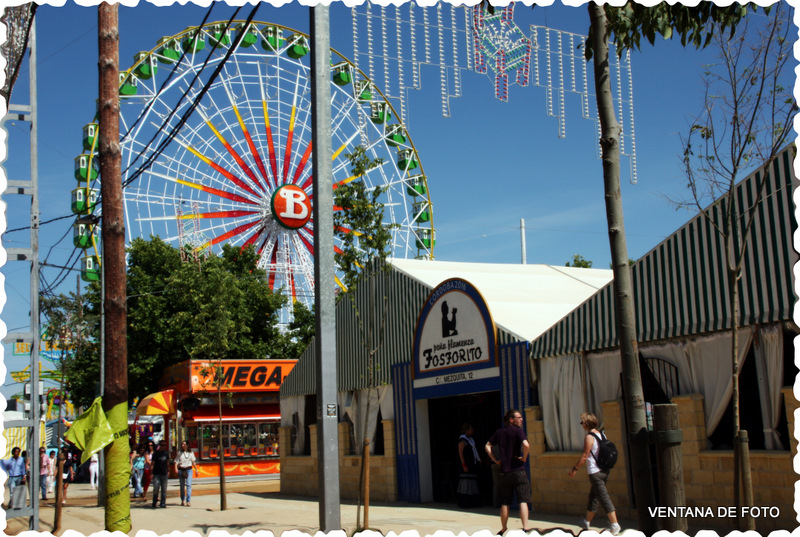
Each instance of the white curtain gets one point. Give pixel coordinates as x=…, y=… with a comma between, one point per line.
x=354, y=405
x=710, y=365
x=769, y=366
x=293, y=411
x=604, y=385
x=704, y=367
x=561, y=398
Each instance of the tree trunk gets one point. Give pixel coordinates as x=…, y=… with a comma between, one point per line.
x=59, y=491
x=365, y=462
x=223, y=499
x=623, y=287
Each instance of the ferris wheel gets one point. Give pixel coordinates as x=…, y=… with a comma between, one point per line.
x=216, y=145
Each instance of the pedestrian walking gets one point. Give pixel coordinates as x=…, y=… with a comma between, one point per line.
x=513, y=447
x=160, y=470
x=16, y=470
x=598, y=477
x=44, y=471
x=185, y=466
x=69, y=471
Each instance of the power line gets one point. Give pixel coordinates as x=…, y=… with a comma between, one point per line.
x=196, y=101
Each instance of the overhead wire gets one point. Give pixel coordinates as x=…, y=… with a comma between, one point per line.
x=196, y=100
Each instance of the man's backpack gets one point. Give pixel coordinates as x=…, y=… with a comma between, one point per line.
x=606, y=456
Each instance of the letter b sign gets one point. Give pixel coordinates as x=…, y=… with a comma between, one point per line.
x=291, y=207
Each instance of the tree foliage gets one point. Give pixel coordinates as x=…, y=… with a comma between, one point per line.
x=71, y=324
x=359, y=222
x=218, y=308
x=695, y=25
x=579, y=261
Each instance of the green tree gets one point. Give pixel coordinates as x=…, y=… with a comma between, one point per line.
x=695, y=25
x=218, y=308
x=743, y=126
x=366, y=244
x=578, y=261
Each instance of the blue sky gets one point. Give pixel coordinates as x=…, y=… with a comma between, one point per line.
x=489, y=165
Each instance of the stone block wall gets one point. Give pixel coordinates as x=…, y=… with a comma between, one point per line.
x=299, y=472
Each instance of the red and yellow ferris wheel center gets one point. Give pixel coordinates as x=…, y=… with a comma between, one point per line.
x=291, y=206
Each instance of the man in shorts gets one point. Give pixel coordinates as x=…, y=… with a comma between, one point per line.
x=513, y=448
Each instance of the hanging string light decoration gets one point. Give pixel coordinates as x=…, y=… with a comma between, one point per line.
x=464, y=38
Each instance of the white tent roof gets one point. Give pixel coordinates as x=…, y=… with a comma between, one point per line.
x=524, y=299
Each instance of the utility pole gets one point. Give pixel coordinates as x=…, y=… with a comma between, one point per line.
x=115, y=399
x=522, y=238
x=325, y=341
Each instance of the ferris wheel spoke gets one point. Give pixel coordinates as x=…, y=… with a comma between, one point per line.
x=253, y=151
x=273, y=260
x=216, y=214
x=273, y=161
x=290, y=132
x=229, y=148
x=219, y=169
x=207, y=189
x=253, y=237
x=303, y=161
x=238, y=230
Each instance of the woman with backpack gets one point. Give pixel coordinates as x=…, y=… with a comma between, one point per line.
x=598, y=475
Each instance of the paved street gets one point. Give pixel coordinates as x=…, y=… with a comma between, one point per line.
x=258, y=505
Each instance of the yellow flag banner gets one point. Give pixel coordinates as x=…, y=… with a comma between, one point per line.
x=91, y=431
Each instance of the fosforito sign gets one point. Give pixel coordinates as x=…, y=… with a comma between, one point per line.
x=455, y=334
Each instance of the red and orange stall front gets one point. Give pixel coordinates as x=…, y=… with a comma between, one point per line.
x=247, y=433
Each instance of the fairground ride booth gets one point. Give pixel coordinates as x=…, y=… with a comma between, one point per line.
x=249, y=410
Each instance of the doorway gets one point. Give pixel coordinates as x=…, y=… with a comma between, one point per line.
x=446, y=415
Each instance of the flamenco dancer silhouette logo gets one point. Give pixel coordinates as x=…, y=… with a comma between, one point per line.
x=448, y=325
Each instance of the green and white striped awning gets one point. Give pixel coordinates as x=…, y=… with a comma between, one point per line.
x=681, y=287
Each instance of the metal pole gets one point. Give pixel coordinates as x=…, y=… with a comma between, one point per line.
x=522, y=238
x=115, y=400
x=33, y=447
x=325, y=343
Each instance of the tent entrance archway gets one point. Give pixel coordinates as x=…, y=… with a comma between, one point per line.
x=446, y=415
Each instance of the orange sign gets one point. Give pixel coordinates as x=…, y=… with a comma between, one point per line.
x=240, y=375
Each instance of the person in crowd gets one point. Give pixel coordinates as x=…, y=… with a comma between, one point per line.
x=94, y=462
x=513, y=448
x=147, y=475
x=185, y=466
x=51, y=478
x=137, y=471
x=598, y=477
x=160, y=471
x=15, y=469
x=468, y=493
x=68, y=472
x=44, y=471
